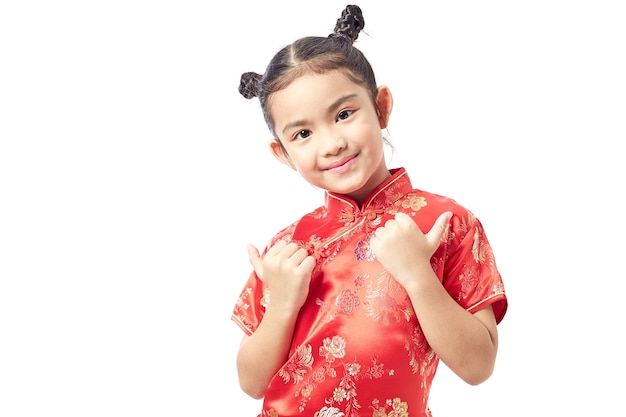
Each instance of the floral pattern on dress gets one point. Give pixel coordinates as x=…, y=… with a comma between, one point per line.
x=320, y=213
x=363, y=250
x=412, y=202
x=469, y=280
x=241, y=305
x=333, y=351
x=329, y=412
x=422, y=357
x=334, y=348
x=397, y=408
x=265, y=301
x=269, y=413
x=298, y=365
x=385, y=300
x=353, y=298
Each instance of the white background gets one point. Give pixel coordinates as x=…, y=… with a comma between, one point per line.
x=132, y=175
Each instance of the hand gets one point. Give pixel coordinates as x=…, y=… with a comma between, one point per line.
x=286, y=271
x=403, y=249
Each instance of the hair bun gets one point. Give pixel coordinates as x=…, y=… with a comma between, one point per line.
x=249, y=84
x=350, y=24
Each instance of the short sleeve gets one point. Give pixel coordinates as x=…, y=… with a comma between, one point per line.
x=250, y=306
x=470, y=275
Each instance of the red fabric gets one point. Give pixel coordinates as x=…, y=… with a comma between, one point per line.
x=358, y=349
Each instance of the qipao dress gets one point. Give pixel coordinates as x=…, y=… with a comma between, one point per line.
x=358, y=349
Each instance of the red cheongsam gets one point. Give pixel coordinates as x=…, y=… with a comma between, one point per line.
x=358, y=349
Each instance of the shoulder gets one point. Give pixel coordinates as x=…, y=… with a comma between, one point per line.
x=287, y=232
x=429, y=206
x=438, y=203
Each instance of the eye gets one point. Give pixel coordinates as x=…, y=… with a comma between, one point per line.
x=344, y=114
x=303, y=134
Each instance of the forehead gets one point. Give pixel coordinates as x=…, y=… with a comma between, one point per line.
x=314, y=90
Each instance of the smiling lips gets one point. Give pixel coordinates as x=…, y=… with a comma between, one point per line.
x=342, y=165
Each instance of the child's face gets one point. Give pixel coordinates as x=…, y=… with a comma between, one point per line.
x=331, y=133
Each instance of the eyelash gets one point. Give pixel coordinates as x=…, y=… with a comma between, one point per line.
x=346, y=113
x=299, y=134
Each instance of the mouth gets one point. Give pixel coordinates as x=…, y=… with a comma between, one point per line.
x=342, y=165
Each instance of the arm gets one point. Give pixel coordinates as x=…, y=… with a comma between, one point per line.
x=286, y=271
x=467, y=343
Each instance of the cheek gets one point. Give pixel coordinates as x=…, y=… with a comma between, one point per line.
x=299, y=160
x=369, y=135
x=303, y=165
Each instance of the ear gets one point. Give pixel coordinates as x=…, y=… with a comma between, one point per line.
x=280, y=153
x=384, y=100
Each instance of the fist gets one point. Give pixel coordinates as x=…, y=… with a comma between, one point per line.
x=286, y=270
x=401, y=246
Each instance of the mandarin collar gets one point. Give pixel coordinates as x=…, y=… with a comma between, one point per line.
x=385, y=194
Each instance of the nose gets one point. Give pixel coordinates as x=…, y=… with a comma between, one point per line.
x=332, y=143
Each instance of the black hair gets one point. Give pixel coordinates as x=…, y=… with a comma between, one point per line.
x=314, y=54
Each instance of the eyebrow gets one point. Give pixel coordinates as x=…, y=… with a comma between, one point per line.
x=337, y=103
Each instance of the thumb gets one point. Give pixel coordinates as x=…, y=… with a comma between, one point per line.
x=440, y=227
x=255, y=260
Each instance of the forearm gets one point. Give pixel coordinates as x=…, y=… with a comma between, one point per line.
x=262, y=353
x=467, y=343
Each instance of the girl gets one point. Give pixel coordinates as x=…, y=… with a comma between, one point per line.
x=349, y=309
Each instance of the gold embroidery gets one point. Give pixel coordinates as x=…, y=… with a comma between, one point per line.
x=334, y=348
x=412, y=201
x=298, y=365
x=265, y=300
x=398, y=408
x=329, y=412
